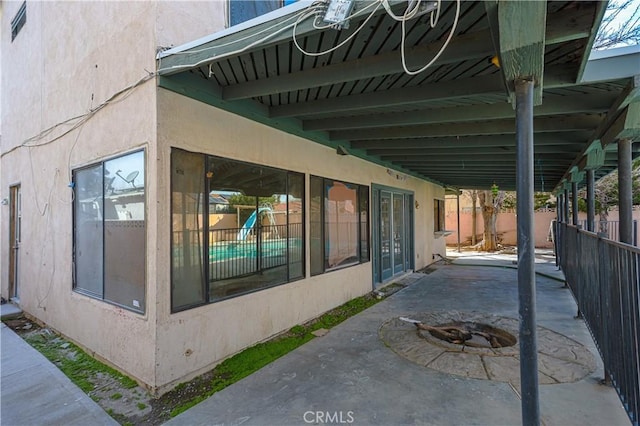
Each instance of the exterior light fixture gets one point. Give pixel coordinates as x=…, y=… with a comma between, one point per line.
x=337, y=13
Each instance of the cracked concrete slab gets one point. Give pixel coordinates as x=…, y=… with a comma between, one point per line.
x=352, y=370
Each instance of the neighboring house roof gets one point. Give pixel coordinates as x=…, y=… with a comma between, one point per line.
x=217, y=199
x=452, y=124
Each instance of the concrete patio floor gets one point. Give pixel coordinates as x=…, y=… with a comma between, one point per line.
x=350, y=376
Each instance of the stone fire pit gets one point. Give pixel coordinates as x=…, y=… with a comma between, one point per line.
x=560, y=359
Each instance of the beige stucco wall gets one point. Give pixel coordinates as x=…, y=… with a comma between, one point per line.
x=67, y=60
x=54, y=72
x=51, y=73
x=193, y=341
x=506, y=224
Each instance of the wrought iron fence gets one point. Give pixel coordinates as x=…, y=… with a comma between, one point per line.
x=611, y=229
x=604, y=278
x=233, y=253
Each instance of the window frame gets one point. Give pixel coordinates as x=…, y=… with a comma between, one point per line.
x=88, y=293
x=206, y=281
x=359, y=190
x=19, y=21
x=439, y=216
x=229, y=4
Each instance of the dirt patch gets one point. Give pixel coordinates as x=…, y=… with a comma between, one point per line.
x=118, y=395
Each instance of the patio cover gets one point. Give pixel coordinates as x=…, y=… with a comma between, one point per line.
x=454, y=123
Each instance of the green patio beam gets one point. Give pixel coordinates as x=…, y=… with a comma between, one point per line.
x=471, y=87
x=475, y=87
x=553, y=105
x=574, y=22
x=454, y=150
x=595, y=156
x=522, y=27
x=626, y=126
x=577, y=176
x=621, y=121
x=469, y=46
x=490, y=127
x=542, y=139
x=480, y=162
x=601, y=7
x=468, y=156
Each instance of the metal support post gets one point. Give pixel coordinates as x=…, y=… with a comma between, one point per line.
x=526, y=254
x=574, y=203
x=559, y=207
x=625, y=195
x=566, y=206
x=591, y=201
x=458, y=208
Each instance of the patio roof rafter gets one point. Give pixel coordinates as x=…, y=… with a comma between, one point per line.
x=621, y=121
x=469, y=46
x=359, y=97
x=543, y=139
x=555, y=106
x=503, y=126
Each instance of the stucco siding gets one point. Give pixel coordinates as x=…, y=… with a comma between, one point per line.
x=194, y=340
x=65, y=63
x=53, y=78
x=53, y=72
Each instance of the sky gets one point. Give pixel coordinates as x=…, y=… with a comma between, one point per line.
x=633, y=10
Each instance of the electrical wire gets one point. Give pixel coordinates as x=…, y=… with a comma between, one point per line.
x=80, y=119
x=410, y=13
x=310, y=11
x=235, y=52
x=345, y=41
x=412, y=10
x=217, y=46
x=442, y=49
x=434, y=21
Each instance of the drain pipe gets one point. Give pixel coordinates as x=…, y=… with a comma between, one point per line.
x=526, y=253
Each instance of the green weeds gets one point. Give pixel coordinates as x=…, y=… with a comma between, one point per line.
x=254, y=358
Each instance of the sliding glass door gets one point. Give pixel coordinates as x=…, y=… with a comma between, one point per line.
x=393, y=233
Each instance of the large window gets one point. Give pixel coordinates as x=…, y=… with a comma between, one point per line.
x=236, y=228
x=339, y=224
x=109, y=231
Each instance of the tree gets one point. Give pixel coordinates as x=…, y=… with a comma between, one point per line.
x=543, y=200
x=620, y=25
x=491, y=202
